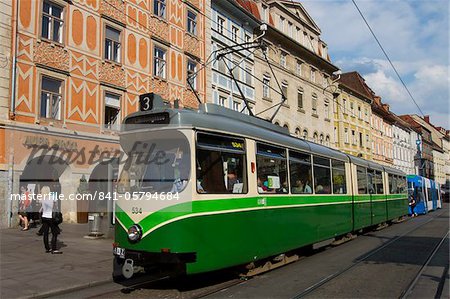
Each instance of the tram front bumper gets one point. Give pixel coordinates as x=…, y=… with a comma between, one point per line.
x=157, y=264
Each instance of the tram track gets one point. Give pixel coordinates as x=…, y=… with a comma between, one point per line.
x=311, y=289
x=414, y=281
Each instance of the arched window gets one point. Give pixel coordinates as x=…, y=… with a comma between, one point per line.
x=277, y=123
x=321, y=138
x=327, y=140
x=305, y=134
x=315, y=137
x=297, y=132
x=286, y=126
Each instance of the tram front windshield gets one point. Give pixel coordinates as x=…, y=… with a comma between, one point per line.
x=156, y=165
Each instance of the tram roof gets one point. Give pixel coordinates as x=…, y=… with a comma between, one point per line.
x=215, y=117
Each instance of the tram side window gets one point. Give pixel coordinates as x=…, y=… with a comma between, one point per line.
x=378, y=181
x=220, y=164
x=271, y=168
x=392, y=184
x=361, y=175
x=370, y=181
x=300, y=172
x=401, y=184
x=322, y=175
x=339, y=179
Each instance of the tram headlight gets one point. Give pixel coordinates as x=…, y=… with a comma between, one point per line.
x=134, y=233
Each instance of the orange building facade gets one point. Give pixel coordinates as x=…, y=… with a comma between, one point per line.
x=80, y=68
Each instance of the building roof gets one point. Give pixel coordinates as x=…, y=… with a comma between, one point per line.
x=251, y=7
x=356, y=83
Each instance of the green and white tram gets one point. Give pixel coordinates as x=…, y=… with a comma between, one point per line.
x=213, y=188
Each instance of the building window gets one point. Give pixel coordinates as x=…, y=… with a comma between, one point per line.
x=284, y=90
x=236, y=69
x=51, y=97
x=325, y=81
x=352, y=111
x=248, y=38
x=265, y=13
x=321, y=138
x=234, y=33
x=315, y=137
x=236, y=106
x=344, y=104
x=266, y=87
x=281, y=24
x=305, y=134
x=220, y=24
x=192, y=22
x=314, y=104
x=52, y=22
x=313, y=76
x=112, y=109
x=299, y=68
x=290, y=30
x=327, y=111
x=223, y=101
x=359, y=112
x=361, y=139
x=159, y=8
x=367, y=140
x=248, y=74
x=346, y=135
x=305, y=39
x=112, y=44
x=300, y=98
x=354, y=137
x=366, y=114
x=283, y=59
x=191, y=73
x=159, y=62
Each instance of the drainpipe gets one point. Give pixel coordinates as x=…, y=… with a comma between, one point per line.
x=14, y=61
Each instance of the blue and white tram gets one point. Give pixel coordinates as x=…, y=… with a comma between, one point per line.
x=426, y=194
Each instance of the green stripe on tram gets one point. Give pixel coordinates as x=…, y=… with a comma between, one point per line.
x=235, y=205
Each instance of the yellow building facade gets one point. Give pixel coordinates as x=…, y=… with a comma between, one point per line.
x=352, y=115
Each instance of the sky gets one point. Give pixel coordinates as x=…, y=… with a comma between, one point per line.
x=414, y=33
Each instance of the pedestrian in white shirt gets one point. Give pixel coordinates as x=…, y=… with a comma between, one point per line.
x=48, y=200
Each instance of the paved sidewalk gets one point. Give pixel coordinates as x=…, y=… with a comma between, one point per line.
x=26, y=270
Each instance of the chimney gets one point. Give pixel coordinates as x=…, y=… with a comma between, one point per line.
x=426, y=118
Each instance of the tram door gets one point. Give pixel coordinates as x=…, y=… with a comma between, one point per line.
x=428, y=195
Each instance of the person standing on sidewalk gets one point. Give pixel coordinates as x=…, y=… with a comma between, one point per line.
x=48, y=201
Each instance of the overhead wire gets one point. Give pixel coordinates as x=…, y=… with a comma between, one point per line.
x=387, y=56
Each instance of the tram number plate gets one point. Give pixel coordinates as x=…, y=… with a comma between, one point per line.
x=119, y=251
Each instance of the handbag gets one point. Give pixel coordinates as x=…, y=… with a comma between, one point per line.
x=57, y=217
x=56, y=214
